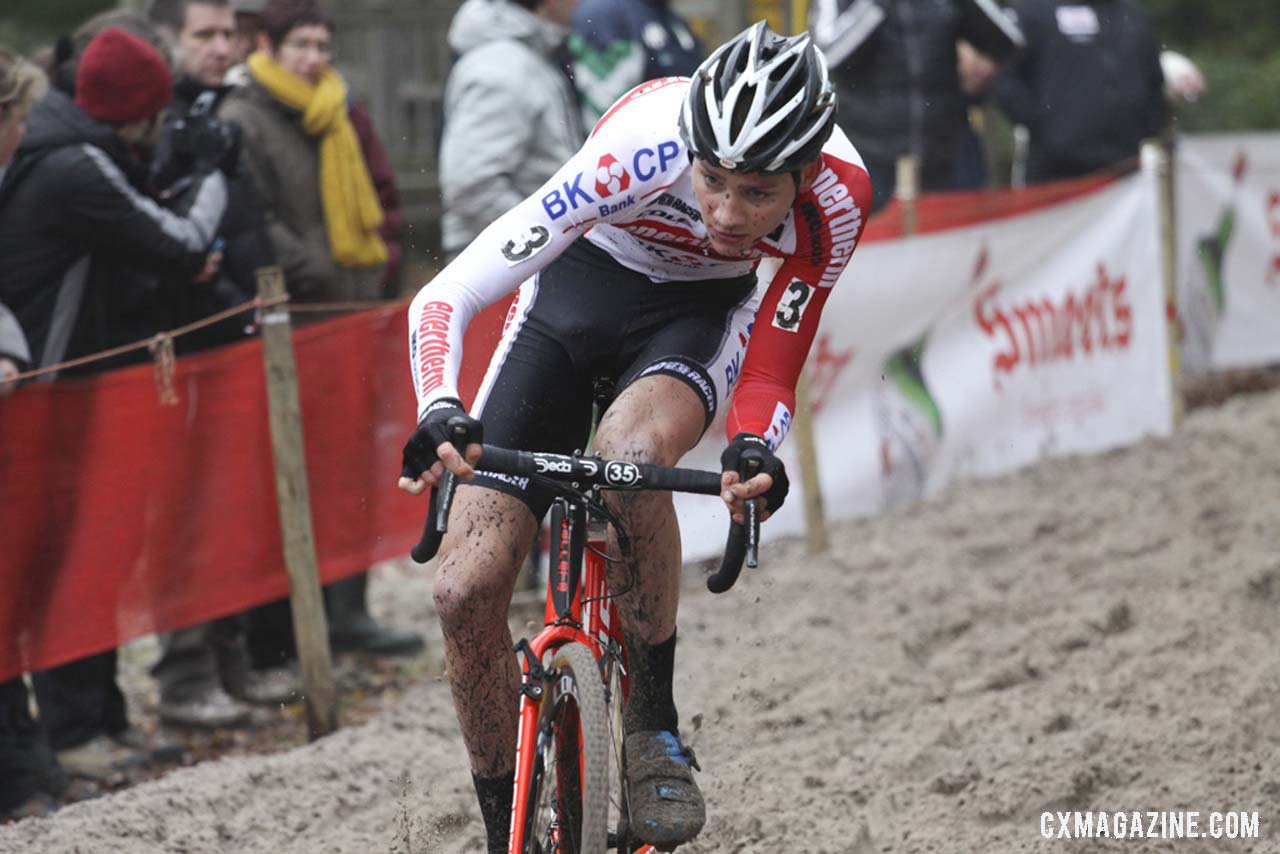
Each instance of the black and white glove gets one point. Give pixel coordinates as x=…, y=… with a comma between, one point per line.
x=746, y=447
x=437, y=426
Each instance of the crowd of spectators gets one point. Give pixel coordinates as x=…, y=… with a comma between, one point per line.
x=158, y=162
x=174, y=155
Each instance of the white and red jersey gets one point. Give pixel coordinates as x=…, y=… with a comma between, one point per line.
x=629, y=190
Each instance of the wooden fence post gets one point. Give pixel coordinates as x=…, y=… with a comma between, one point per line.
x=1160, y=153
x=907, y=190
x=815, y=515
x=310, y=629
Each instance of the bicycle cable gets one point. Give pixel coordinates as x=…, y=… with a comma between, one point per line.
x=597, y=509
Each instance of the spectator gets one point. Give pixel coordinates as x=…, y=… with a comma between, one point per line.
x=73, y=216
x=511, y=116
x=135, y=304
x=323, y=217
x=977, y=72
x=30, y=776
x=619, y=44
x=895, y=69
x=1088, y=87
x=201, y=31
x=322, y=210
x=203, y=671
x=248, y=24
x=65, y=53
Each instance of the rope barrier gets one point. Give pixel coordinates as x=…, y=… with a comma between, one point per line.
x=160, y=345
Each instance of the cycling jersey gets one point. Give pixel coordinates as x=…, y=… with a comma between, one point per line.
x=566, y=347
x=629, y=191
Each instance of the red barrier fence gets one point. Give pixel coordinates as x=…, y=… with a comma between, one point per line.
x=120, y=516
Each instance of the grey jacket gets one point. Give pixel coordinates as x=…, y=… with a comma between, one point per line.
x=511, y=115
x=13, y=343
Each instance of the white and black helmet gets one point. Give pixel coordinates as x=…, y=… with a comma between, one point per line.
x=761, y=103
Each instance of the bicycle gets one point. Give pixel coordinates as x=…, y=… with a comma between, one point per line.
x=574, y=677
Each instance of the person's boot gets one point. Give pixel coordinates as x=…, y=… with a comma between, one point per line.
x=30, y=777
x=210, y=707
x=353, y=629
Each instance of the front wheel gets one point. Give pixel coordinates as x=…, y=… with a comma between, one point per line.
x=567, y=801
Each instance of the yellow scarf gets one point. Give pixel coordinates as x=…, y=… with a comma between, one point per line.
x=352, y=214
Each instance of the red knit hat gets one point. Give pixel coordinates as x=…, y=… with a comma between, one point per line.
x=122, y=79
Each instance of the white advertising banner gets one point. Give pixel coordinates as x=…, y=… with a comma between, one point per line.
x=1228, y=249
x=977, y=350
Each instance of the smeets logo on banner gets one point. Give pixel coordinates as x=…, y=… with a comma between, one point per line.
x=1035, y=332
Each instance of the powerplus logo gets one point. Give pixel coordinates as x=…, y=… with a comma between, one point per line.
x=432, y=340
x=1038, y=332
x=844, y=222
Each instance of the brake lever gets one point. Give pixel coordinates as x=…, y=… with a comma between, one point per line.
x=437, y=521
x=753, y=532
x=750, y=468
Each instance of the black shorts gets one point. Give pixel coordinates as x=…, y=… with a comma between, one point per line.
x=585, y=328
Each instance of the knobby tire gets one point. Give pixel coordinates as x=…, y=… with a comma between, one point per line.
x=568, y=796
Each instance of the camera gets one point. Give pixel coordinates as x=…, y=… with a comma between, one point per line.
x=200, y=139
x=205, y=141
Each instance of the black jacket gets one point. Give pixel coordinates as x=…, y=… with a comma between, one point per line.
x=80, y=243
x=893, y=64
x=1088, y=86
x=246, y=244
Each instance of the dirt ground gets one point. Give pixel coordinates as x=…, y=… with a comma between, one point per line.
x=1091, y=634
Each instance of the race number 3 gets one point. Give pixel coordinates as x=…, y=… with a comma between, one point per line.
x=792, y=305
x=525, y=245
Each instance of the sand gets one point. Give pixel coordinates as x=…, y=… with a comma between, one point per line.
x=1090, y=634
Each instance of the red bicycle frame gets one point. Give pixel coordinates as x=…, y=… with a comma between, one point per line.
x=578, y=609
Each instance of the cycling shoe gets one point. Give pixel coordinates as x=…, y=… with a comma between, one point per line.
x=666, y=807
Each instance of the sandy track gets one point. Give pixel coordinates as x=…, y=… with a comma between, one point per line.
x=1093, y=634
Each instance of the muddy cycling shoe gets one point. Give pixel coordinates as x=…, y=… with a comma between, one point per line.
x=666, y=807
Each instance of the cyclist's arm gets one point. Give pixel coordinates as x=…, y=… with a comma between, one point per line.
x=791, y=309
x=765, y=399
x=523, y=241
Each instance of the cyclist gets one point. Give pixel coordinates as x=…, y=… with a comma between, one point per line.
x=636, y=267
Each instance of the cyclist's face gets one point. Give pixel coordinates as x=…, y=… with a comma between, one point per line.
x=740, y=209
